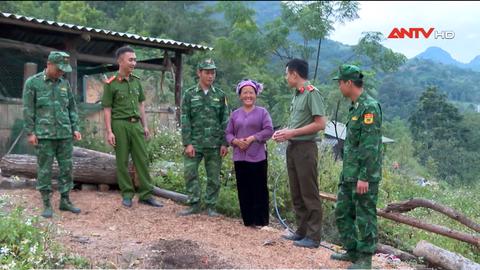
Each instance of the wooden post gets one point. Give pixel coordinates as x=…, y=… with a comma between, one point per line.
x=70, y=46
x=178, y=85
x=29, y=69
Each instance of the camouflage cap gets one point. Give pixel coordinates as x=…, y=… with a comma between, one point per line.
x=206, y=64
x=348, y=72
x=61, y=60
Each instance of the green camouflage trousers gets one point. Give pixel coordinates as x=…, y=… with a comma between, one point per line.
x=47, y=150
x=213, y=164
x=356, y=217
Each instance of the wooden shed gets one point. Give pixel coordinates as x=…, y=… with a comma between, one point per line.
x=25, y=43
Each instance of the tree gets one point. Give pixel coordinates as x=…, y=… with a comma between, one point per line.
x=79, y=12
x=314, y=20
x=435, y=118
x=383, y=59
x=246, y=51
x=39, y=9
x=441, y=135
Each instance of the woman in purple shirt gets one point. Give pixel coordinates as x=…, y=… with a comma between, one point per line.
x=249, y=128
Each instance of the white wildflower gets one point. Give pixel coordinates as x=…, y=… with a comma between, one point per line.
x=4, y=250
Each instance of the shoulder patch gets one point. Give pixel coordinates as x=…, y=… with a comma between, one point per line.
x=135, y=75
x=368, y=118
x=310, y=88
x=109, y=80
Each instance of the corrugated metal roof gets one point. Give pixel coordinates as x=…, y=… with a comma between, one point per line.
x=342, y=132
x=83, y=29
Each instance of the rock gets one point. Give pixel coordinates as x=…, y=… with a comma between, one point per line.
x=103, y=188
x=89, y=187
x=268, y=242
x=81, y=239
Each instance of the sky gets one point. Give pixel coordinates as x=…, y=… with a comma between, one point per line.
x=463, y=18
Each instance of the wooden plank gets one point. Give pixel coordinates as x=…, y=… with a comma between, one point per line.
x=71, y=48
x=110, y=60
x=178, y=84
x=10, y=112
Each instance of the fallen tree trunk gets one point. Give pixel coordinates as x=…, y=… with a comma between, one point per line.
x=461, y=236
x=172, y=195
x=90, y=167
x=443, y=258
x=411, y=204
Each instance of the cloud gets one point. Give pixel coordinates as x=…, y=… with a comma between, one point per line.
x=460, y=17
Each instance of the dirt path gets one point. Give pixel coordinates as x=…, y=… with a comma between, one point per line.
x=112, y=236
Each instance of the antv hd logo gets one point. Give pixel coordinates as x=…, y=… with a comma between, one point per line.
x=420, y=32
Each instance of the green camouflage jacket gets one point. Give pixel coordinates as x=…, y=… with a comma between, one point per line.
x=204, y=117
x=362, y=153
x=49, y=108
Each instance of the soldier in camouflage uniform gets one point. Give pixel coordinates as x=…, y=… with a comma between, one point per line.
x=204, y=119
x=51, y=121
x=361, y=174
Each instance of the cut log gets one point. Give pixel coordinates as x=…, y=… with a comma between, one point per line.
x=411, y=204
x=90, y=167
x=443, y=258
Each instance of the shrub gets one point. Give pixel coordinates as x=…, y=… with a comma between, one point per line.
x=25, y=243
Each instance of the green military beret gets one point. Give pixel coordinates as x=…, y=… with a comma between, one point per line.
x=207, y=64
x=348, y=72
x=61, y=60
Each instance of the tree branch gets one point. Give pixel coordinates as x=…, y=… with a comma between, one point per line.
x=411, y=204
x=461, y=236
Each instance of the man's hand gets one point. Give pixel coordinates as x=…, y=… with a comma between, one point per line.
x=190, y=151
x=32, y=139
x=283, y=135
x=146, y=132
x=111, y=139
x=362, y=187
x=223, y=151
x=77, y=136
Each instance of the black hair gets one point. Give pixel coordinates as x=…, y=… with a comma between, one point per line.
x=357, y=82
x=300, y=66
x=123, y=50
x=240, y=90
